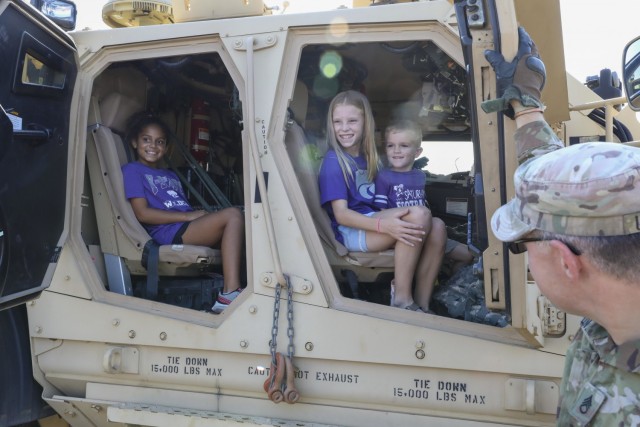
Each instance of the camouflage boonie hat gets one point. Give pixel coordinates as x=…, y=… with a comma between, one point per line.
x=590, y=189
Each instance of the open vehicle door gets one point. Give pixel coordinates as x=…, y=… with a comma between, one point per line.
x=492, y=25
x=34, y=132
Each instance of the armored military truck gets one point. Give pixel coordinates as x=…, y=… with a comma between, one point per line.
x=103, y=327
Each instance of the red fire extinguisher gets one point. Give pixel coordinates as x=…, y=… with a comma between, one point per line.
x=199, y=142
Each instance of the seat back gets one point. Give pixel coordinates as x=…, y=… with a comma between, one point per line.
x=120, y=232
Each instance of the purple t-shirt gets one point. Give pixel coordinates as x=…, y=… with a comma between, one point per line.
x=162, y=189
x=400, y=189
x=358, y=192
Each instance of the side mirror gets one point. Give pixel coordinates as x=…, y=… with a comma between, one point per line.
x=62, y=12
x=631, y=73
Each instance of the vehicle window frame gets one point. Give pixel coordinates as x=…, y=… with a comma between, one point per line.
x=30, y=46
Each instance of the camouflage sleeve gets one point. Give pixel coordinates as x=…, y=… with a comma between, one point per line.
x=535, y=139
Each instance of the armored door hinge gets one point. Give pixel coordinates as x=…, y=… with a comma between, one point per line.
x=475, y=14
x=261, y=42
x=299, y=285
x=553, y=320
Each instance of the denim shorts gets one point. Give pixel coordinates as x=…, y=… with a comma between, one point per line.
x=355, y=239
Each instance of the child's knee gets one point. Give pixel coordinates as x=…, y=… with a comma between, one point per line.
x=438, y=234
x=419, y=215
x=236, y=216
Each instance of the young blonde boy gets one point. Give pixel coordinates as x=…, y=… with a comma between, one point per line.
x=400, y=185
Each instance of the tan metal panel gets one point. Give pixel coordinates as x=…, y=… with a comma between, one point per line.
x=542, y=21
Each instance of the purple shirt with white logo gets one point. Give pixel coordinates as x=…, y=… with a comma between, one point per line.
x=162, y=189
x=358, y=191
x=400, y=189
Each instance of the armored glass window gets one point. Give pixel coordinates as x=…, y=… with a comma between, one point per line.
x=36, y=72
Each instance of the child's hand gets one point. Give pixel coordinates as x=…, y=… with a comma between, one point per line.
x=403, y=231
x=193, y=215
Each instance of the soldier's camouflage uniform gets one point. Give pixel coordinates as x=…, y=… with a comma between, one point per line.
x=601, y=381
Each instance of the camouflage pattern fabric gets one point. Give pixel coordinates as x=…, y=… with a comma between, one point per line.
x=588, y=189
x=462, y=297
x=534, y=140
x=601, y=381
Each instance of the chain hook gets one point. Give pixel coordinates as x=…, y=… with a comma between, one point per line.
x=274, y=385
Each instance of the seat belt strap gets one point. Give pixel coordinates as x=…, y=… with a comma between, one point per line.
x=150, y=261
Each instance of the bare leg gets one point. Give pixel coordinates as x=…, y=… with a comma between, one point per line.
x=429, y=263
x=460, y=256
x=406, y=257
x=225, y=227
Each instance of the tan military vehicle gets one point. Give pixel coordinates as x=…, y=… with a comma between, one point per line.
x=116, y=331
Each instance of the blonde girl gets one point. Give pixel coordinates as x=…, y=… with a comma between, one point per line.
x=347, y=194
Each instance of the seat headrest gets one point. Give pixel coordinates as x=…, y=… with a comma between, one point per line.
x=116, y=109
x=299, y=102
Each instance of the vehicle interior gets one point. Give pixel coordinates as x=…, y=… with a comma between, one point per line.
x=203, y=95
x=413, y=80
x=196, y=95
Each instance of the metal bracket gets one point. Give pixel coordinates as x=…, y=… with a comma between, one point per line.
x=121, y=360
x=553, y=320
x=299, y=285
x=258, y=42
x=475, y=14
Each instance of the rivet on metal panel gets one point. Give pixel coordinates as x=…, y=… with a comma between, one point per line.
x=244, y=343
x=38, y=329
x=253, y=309
x=420, y=354
x=419, y=344
x=115, y=322
x=132, y=334
x=308, y=346
x=163, y=336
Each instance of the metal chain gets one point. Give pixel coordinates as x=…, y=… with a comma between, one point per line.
x=291, y=348
x=274, y=329
x=276, y=314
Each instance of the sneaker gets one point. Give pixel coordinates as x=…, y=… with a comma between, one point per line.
x=414, y=307
x=393, y=292
x=224, y=300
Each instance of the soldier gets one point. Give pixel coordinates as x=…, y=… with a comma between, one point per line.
x=577, y=213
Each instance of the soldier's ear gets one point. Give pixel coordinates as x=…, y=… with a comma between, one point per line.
x=570, y=263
